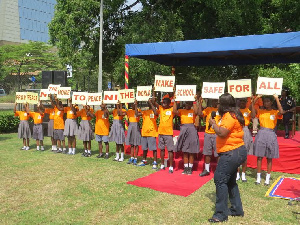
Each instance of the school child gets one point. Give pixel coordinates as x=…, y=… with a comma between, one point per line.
x=71, y=127
x=165, y=131
x=38, y=134
x=134, y=133
x=117, y=133
x=258, y=104
x=266, y=144
x=149, y=133
x=51, y=113
x=188, y=139
x=23, y=130
x=247, y=136
x=102, y=130
x=58, y=125
x=85, y=132
x=209, y=146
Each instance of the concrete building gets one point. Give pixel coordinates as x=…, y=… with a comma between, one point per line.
x=25, y=20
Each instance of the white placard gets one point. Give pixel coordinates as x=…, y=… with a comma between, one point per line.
x=239, y=88
x=64, y=93
x=185, y=92
x=53, y=88
x=79, y=98
x=164, y=83
x=21, y=97
x=269, y=86
x=110, y=97
x=126, y=95
x=44, y=95
x=32, y=98
x=94, y=98
x=143, y=93
x=212, y=89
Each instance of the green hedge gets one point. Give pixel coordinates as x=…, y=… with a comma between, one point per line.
x=8, y=122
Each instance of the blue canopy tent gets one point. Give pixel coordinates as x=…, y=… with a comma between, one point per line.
x=240, y=50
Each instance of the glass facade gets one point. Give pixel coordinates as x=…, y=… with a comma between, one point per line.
x=35, y=16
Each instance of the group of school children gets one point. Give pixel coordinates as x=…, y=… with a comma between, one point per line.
x=265, y=144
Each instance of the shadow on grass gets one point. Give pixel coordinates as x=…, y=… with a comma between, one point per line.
x=4, y=138
x=212, y=197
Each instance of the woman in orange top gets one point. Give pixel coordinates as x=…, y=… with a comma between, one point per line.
x=134, y=133
x=85, y=132
x=188, y=140
x=266, y=144
x=117, y=133
x=232, y=153
x=38, y=134
x=71, y=127
x=23, y=130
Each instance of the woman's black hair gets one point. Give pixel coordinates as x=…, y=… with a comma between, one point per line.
x=227, y=104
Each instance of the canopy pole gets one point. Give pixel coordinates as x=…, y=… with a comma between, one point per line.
x=126, y=84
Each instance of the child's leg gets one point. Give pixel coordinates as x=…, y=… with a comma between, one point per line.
x=145, y=152
x=162, y=158
x=100, y=147
x=41, y=142
x=85, y=145
x=171, y=155
x=117, y=152
x=59, y=144
x=24, y=141
x=132, y=151
x=117, y=148
x=89, y=145
x=259, y=161
x=269, y=168
x=136, y=151
x=155, y=155
x=185, y=162
x=69, y=142
x=244, y=167
x=107, y=147
x=27, y=142
x=37, y=144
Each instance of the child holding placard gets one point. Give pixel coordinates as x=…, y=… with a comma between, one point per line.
x=266, y=144
x=85, y=132
x=58, y=124
x=165, y=131
x=38, y=134
x=71, y=127
x=51, y=113
x=209, y=146
x=247, y=136
x=23, y=130
x=102, y=130
x=149, y=133
x=188, y=140
x=117, y=133
x=134, y=133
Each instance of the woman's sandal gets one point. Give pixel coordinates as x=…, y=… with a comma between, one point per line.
x=215, y=220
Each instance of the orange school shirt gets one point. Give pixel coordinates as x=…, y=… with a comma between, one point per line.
x=268, y=118
x=235, y=137
x=83, y=115
x=259, y=103
x=247, y=115
x=59, y=123
x=116, y=116
x=187, y=116
x=206, y=113
x=70, y=113
x=51, y=113
x=149, y=128
x=131, y=116
x=102, y=123
x=37, y=117
x=23, y=115
x=166, y=121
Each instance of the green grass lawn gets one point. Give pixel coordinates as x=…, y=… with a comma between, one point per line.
x=47, y=188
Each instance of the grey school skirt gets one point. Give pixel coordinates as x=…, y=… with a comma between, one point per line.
x=71, y=128
x=50, y=128
x=38, y=132
x=266, y=144
x=85, y=132
x=248, y=140
x=117, y=133
x=133, y=134
x=24, y=130
x=188, y=140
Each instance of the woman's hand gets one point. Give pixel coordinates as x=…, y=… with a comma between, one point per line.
x=211, y=121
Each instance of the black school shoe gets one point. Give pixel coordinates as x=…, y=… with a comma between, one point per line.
x=215, y=220
x=185, y=170
x=100, y=155
x=88, y=155
x=106, y=156
x=189, y=171
x=204, y=173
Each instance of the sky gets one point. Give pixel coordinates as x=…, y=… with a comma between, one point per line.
x=136, y=7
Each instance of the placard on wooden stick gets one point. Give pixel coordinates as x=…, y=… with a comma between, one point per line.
x=110, y=97
x=212, y=90
x=126, y=95
x=53, y=88
x=79, y=98
x=64, y=92
x=143, y=93
x=164, y=83
x=94, y=98
x=269, y=86
x=21, y=97
x=240, y=88
x=185, y=92
x=44, y=95
x=32, y=98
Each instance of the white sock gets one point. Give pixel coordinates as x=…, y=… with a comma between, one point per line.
x=24, y=147
x=154, y=162
x=64, y=149
x=122, y=155
x=85, y=151
x=207, y=166
x=191, y=165
x=117, y=155
x=186, y=165
x=268, y=178
x=74, y=150
x=89, y=151
x=54, y=147
x=37, y=147
x=243, y=176
x=258, y=178
x=70, y=150
x=59, y=149
x=132, y=157
x=171, y=168
x=237, y=176
x=106, y=153
x=162, y=166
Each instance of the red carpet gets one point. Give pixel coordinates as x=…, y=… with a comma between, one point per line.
x=176, y=183
x=285, y=187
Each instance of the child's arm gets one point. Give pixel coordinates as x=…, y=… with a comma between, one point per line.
x=200, y=111
x=88, y=111
x=72, y=107
x=41, y=108
x=196, y=106
x=175, y=111
x=52, y=102
x=251, y=107
x=153, y=107
x=27, y=107
x=137, y=113
x=15, y=108
x=278, y=104
x=106, y=113
x=120, y=112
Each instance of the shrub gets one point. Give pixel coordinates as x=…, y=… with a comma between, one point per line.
x=8, y=122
